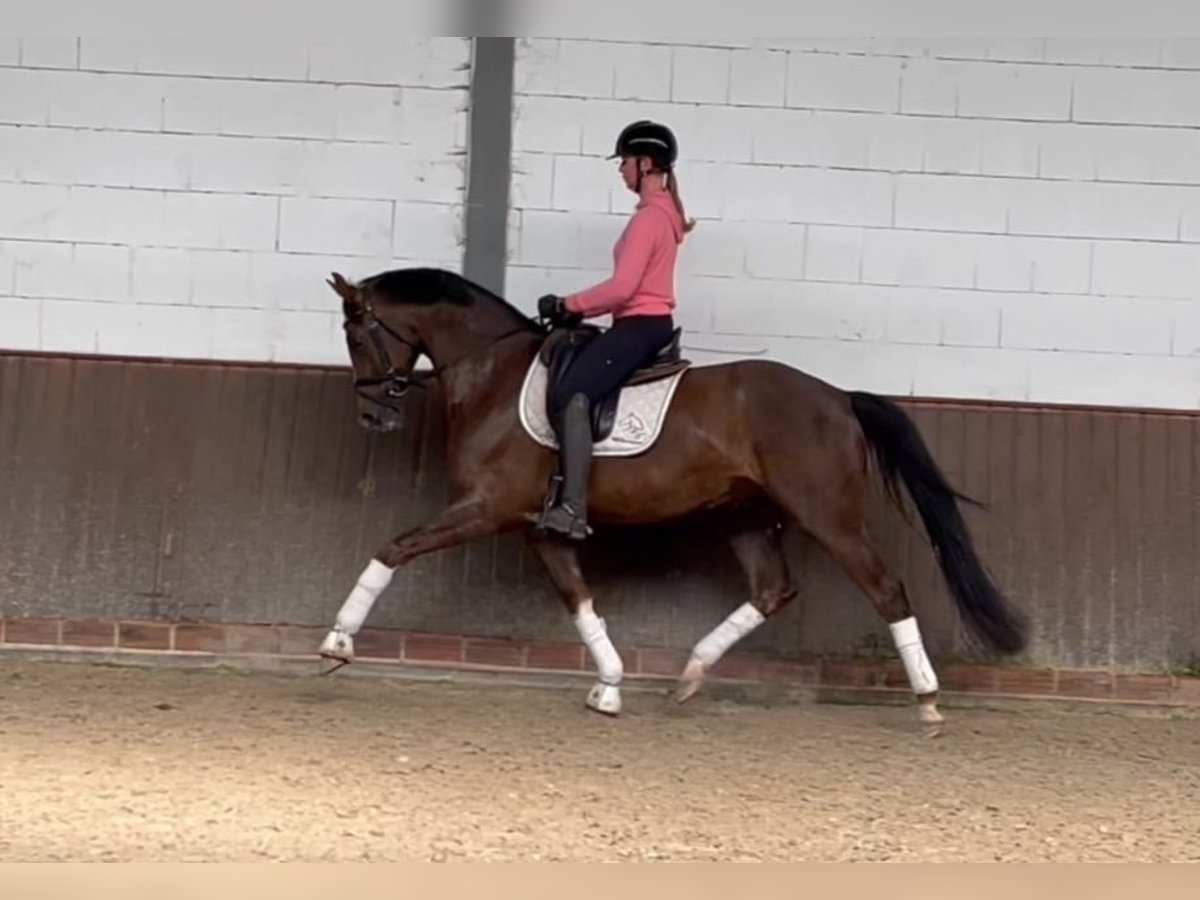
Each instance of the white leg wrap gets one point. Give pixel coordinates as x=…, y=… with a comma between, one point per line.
x=912, y=651
x=375, y=577
x=604, y=654
x=739, y=623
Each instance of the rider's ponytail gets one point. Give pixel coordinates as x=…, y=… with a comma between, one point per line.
x=673, y=188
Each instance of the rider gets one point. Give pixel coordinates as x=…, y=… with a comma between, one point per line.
x=640, y=295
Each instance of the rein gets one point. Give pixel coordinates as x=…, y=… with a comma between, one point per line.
x=398, y=383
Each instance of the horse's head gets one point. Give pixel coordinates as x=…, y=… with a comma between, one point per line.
x=382, y=355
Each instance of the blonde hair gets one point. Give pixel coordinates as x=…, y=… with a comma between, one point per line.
x=673, y=188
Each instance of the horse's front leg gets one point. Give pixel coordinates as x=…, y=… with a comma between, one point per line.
x=562, y=564
x=465, y=520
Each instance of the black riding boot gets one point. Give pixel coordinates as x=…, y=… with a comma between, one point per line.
x=569, y=516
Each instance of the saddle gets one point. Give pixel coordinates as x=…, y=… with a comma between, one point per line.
x=559, y=350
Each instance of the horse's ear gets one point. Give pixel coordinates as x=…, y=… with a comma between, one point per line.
x=347, y=291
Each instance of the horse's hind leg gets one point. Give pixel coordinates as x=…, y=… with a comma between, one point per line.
x=860, y=560
x=833, y=511
x=562, y=565
x=760, y=553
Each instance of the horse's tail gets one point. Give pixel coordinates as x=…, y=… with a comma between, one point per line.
x=900, y=451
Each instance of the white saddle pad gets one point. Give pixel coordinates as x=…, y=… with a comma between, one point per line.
x=641, y=411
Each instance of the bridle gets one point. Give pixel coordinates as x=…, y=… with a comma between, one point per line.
x=398, y=383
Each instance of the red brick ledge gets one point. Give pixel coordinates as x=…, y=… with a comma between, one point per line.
x=379, y=645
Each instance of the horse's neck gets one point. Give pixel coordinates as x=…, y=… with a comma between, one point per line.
x=488, y=376
x=472, y=335
x=479, y=354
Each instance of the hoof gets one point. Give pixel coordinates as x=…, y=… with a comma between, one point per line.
x=329, y=665
x=604, y=698
x=335, y=651
x=690, y=681
x=928, y=713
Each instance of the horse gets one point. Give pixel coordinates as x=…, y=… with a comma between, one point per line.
x=723, y=448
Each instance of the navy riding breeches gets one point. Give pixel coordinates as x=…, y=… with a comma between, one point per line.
x=603, y=365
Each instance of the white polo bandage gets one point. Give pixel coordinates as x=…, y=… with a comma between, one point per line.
x=375, y=577
x=604, y=654
x=912, y=651
x=736, y=626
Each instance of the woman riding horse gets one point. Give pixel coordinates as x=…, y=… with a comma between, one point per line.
x=640, y=296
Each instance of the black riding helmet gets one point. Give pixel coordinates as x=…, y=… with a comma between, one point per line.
x=651, y=139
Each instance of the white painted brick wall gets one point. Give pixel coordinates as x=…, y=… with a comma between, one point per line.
x=822, y=81
x=951, y=204
x=1008, y=218
x=6, y=267
x=100, y=100
x=574, y=187
x=719, y=249
x=10, y=50
x=641, y=72
x=833, y=254
x=231, y=57
x=776, y=251
x=1015, y=91
x=1145, y=269
x=700, y=75
x=758, y=77
x=930, y=87
x=586, y=70
x=19, y=322
x=49, y=52
x=1139, y=96
x=188, y=197
x=161, y=275
x=82, y=271
x=1001, y=218
x=362, y=227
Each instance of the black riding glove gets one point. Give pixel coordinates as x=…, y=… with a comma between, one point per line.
x=553, y=309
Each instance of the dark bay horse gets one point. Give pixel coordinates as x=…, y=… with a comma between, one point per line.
x=760, y=441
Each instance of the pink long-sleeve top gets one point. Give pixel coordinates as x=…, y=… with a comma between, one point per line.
x=643, y=279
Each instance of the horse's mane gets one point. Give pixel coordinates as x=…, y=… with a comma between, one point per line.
x=433, y=285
